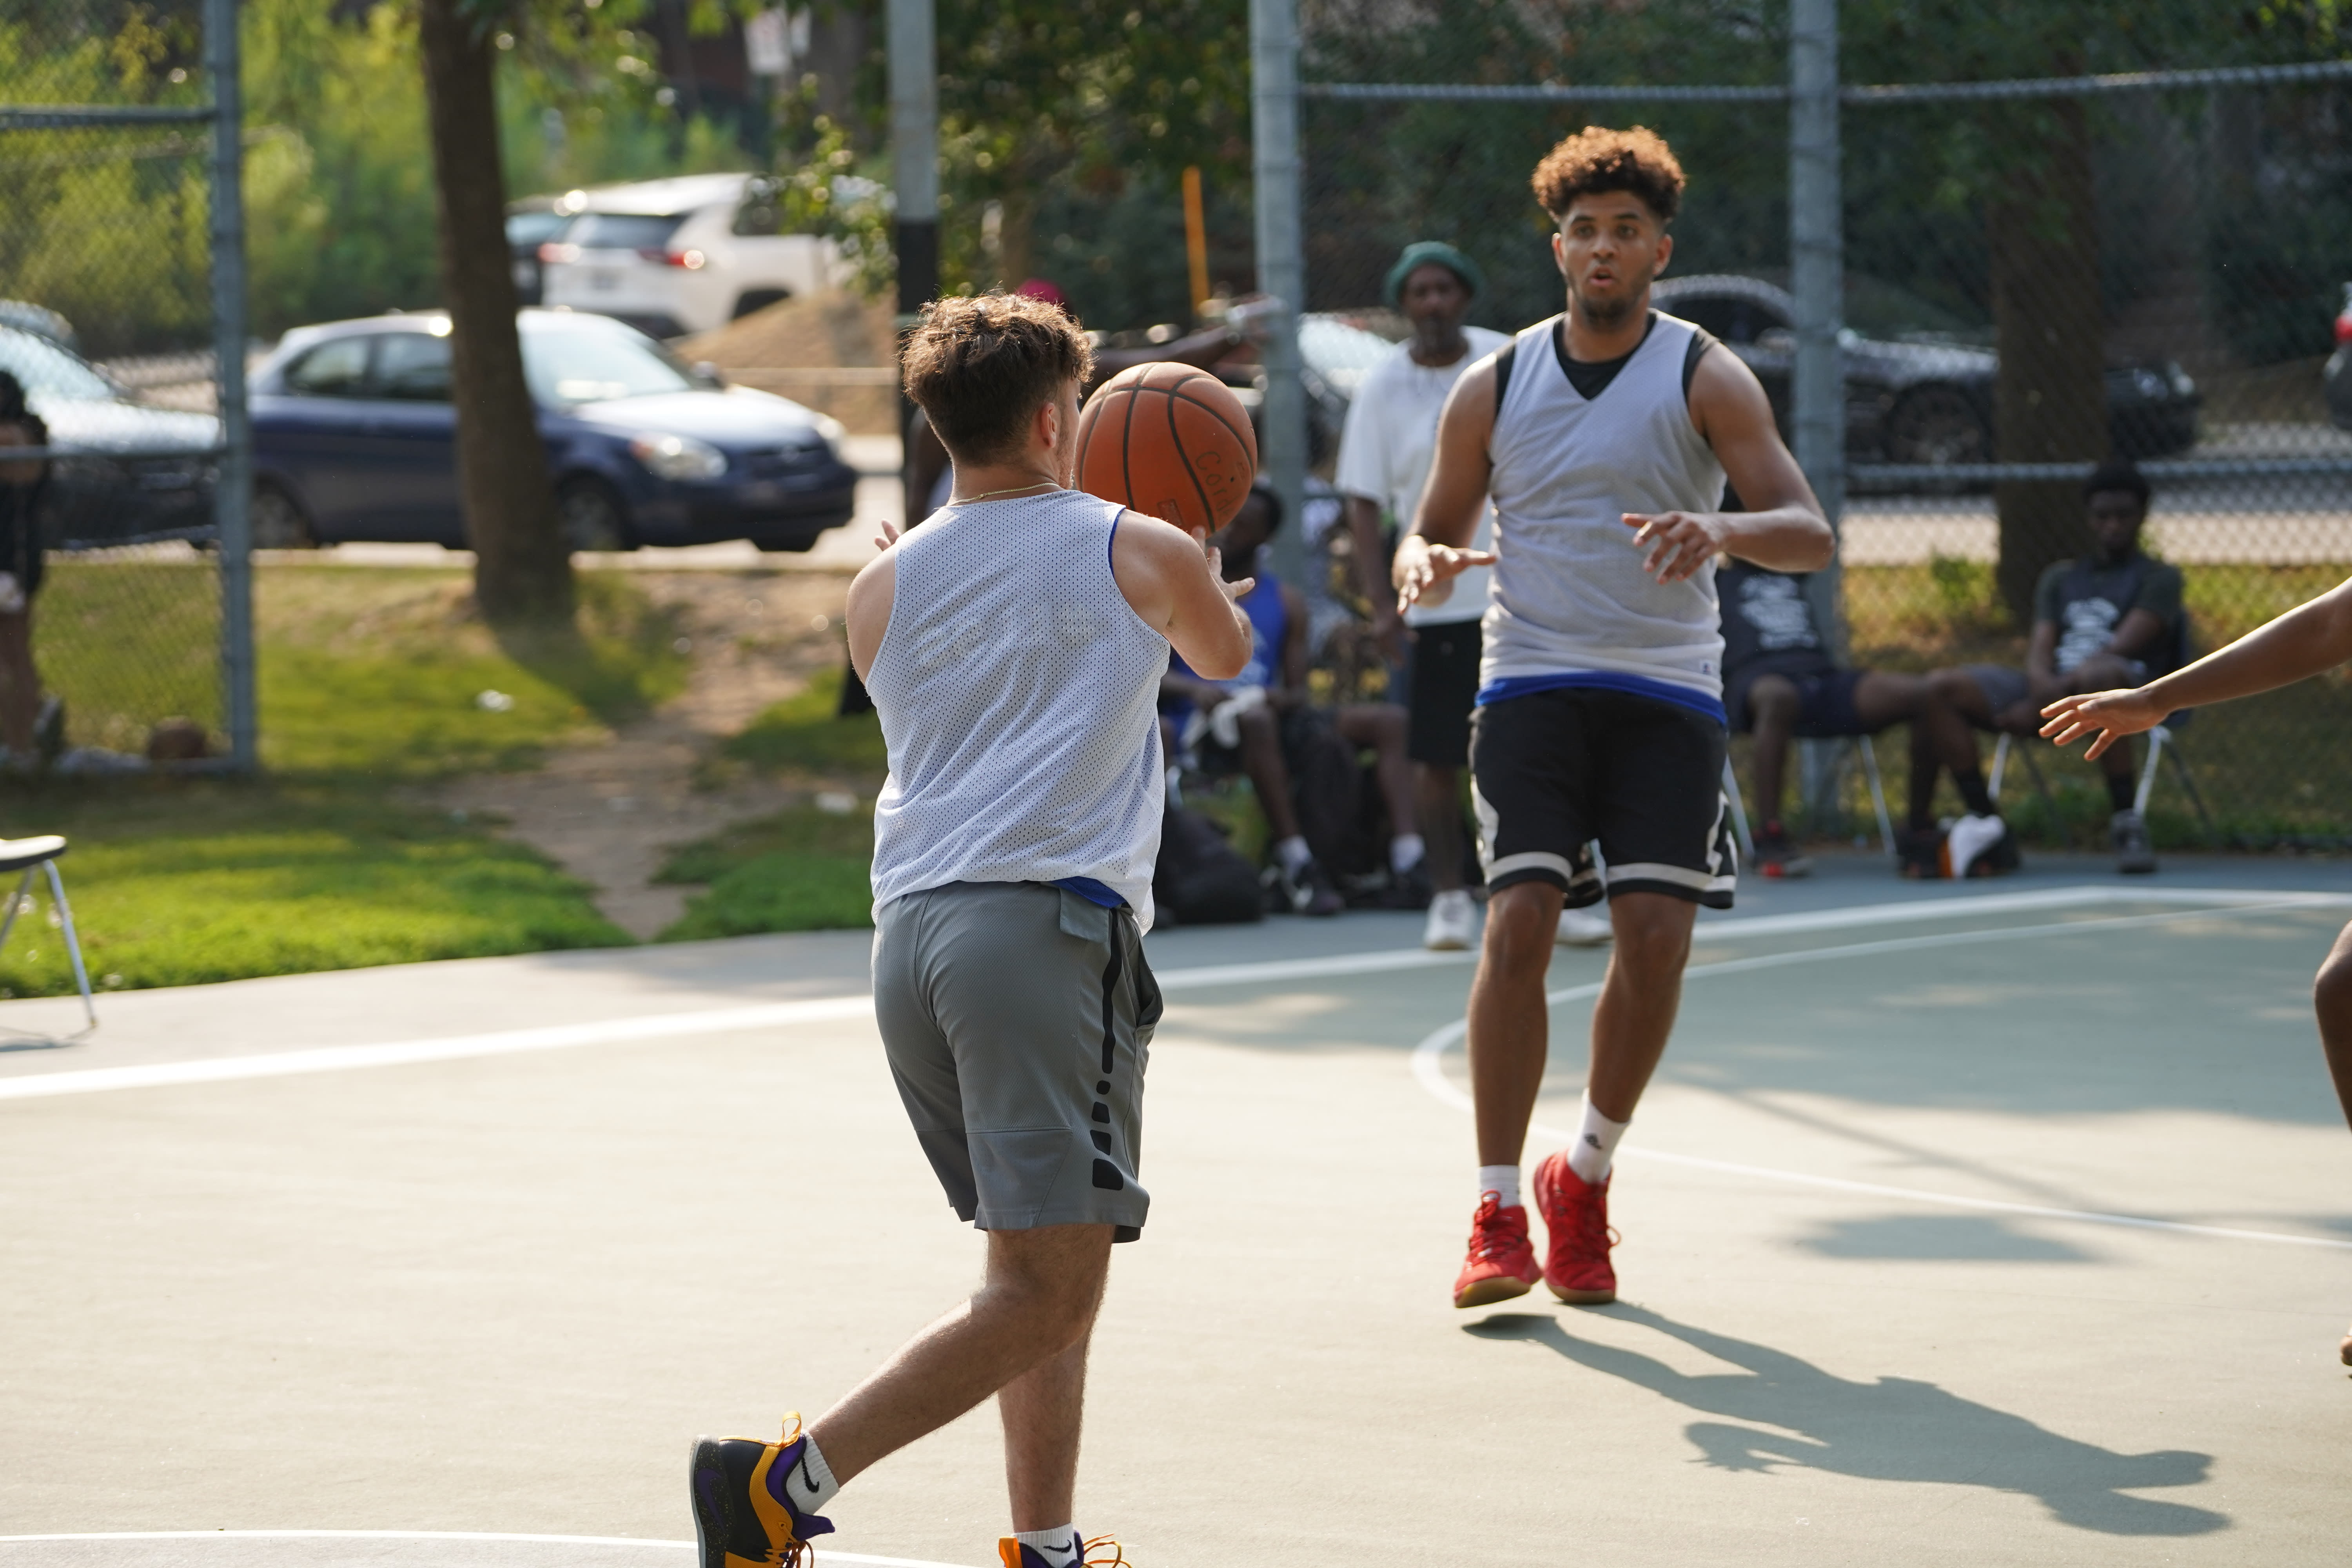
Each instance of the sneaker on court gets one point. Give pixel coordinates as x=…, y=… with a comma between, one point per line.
x=1777, y=855
x=1308, y=889
x=1583, y=928
x=1576, y=1214
x=2135, y=856
x=1408, y=889
x=1978, y=847
x=738, y=1523
x=1502, y=1262
x=1102, y=1551
x=1453, y=923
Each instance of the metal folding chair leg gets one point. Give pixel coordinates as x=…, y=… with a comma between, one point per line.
x=2162, y=740
x=1739, y=812
x=22, y=901
x=1877, y=792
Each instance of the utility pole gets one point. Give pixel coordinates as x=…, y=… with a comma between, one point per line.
x=915, y=153
x=1281, y=265
x=1817, y=279
x=233, y=483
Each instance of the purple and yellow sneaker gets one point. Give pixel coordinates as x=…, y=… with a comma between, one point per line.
x=1102, y=1551
x=741, y=1519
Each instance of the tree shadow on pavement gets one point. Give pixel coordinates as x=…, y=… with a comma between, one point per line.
x=1895, y=1429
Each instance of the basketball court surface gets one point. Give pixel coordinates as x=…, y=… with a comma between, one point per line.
x=1980, y=1224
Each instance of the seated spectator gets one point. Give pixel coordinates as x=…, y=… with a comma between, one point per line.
x=1254, y=723
x=1779, y=682
x=31, y=726
x=2112, y=620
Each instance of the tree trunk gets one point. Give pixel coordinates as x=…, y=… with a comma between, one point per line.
x=2049, y=402
x=522, y=572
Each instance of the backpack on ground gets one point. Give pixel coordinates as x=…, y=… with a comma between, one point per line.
x=1200, y=879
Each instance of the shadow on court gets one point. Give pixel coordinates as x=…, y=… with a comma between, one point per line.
x=1895, y=1429
x=1939, y=1239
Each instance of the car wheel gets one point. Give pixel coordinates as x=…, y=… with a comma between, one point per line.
x=1939, y=425
x=590, y=516
x=752, y=300
x=278, y=523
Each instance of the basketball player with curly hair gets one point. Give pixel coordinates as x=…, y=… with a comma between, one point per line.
x=1603, y=437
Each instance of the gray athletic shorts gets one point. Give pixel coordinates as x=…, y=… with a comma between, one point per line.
x=1018, y=1018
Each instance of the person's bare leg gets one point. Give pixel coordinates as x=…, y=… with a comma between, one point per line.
x=1772, y=718
x=1437, y=807
x=1261, y=756
x=1043, y=1410
x=1943, y=737
x=1382, y=727
x=1036, y=1302
x=1509, y=1027
x=2331, y=995
x=1639, y=998
x=20, y=683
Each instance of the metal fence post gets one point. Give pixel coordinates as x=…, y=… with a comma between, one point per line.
x=1281, y=265
x=233, y=491
x=1817, y=280
x=915, y=153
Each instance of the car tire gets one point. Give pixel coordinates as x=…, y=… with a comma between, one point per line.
x=752, y=300
x=1937, y=426
x=278, y=523
x=591, y=516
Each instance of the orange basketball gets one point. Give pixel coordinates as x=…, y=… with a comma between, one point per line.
x=1169, y=440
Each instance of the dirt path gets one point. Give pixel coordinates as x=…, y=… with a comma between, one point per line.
x=610, y=812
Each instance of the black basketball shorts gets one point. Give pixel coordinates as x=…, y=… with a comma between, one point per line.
x=1443, y=689
x=1554, y=771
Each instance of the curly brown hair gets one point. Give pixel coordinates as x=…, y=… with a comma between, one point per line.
x=981, y=365
x=1599, y=159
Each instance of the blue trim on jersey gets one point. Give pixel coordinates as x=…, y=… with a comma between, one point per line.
x=1094, y=892
x=1512, y=686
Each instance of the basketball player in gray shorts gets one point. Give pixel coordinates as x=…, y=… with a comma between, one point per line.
x=1014, y=646
x=1603, y=437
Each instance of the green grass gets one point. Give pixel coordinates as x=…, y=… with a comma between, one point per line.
x=801, y=870
x=802, y=734
x=180, y=882
x=127, y=642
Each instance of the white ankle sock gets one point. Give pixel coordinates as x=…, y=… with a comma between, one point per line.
x=811, y=1485
x=1405, y=852
x=1293, y=853
x=1595, y=1143
x=1060, y=1547
x=1503, y=1181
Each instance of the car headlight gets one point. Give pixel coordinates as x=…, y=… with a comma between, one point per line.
x=678, y=456
x=2182, y=387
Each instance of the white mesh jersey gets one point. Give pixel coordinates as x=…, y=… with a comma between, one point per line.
x=1018, y=692
x=1570, y=598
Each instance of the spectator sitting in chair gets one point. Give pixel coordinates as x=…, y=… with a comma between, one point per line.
x=1779, y=682
x=1254, y=722
x=2112, y=620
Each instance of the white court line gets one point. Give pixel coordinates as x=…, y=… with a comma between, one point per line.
x=835, y=1009
x=829, y=1556
x=1428, y=1068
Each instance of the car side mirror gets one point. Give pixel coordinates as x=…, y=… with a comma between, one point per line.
x=709, y=374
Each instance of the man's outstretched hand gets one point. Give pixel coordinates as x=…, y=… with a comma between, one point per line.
x=2114, y=714
x=1423, y=573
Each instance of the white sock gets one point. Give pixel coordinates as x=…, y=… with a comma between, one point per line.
x=1293, y=853
x=1405, y=852
x=1589, y=1156
x=1503, y=1181
x=811, y=1485
x=1059, y=1547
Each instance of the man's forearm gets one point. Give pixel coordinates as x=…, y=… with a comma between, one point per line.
x=1785, y=538
x=2305, y=641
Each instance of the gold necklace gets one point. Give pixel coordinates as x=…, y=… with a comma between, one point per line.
x=1016, y=490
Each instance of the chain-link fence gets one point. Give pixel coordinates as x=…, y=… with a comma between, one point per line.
x=110, y=319
x=2038, y=275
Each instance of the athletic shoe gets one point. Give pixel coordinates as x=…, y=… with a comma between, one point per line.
x=1919, y=855
x=1502, y=1262
x=1576, y=1213
x=1978, y=847
x=1407, y=889
x=1777, y=855
x=2128, y=831
x=737, y=1521
x=1308, y=890
x=1453, y=923
x=1090, y=1555
x=1583, y=928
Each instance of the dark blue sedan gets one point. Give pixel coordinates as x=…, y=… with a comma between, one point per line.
x=354, y=440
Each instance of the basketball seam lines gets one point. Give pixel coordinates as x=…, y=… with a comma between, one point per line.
x=1246, y=438
x=1208, y=508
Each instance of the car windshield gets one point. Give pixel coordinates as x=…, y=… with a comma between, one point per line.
x=45, y=369
x=623, y=231
x=578, y=363
x=1880, y=309
x=533, y=227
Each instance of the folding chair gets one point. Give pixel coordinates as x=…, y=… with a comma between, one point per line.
x=1859, y=744
x=32, y=857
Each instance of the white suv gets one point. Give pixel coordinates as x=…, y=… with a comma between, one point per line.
x=674, y=257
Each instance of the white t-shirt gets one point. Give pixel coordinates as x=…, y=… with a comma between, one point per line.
x=1390, y=442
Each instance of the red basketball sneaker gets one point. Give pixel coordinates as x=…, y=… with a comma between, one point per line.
x=1576, y=1213
x=1502, y=1264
